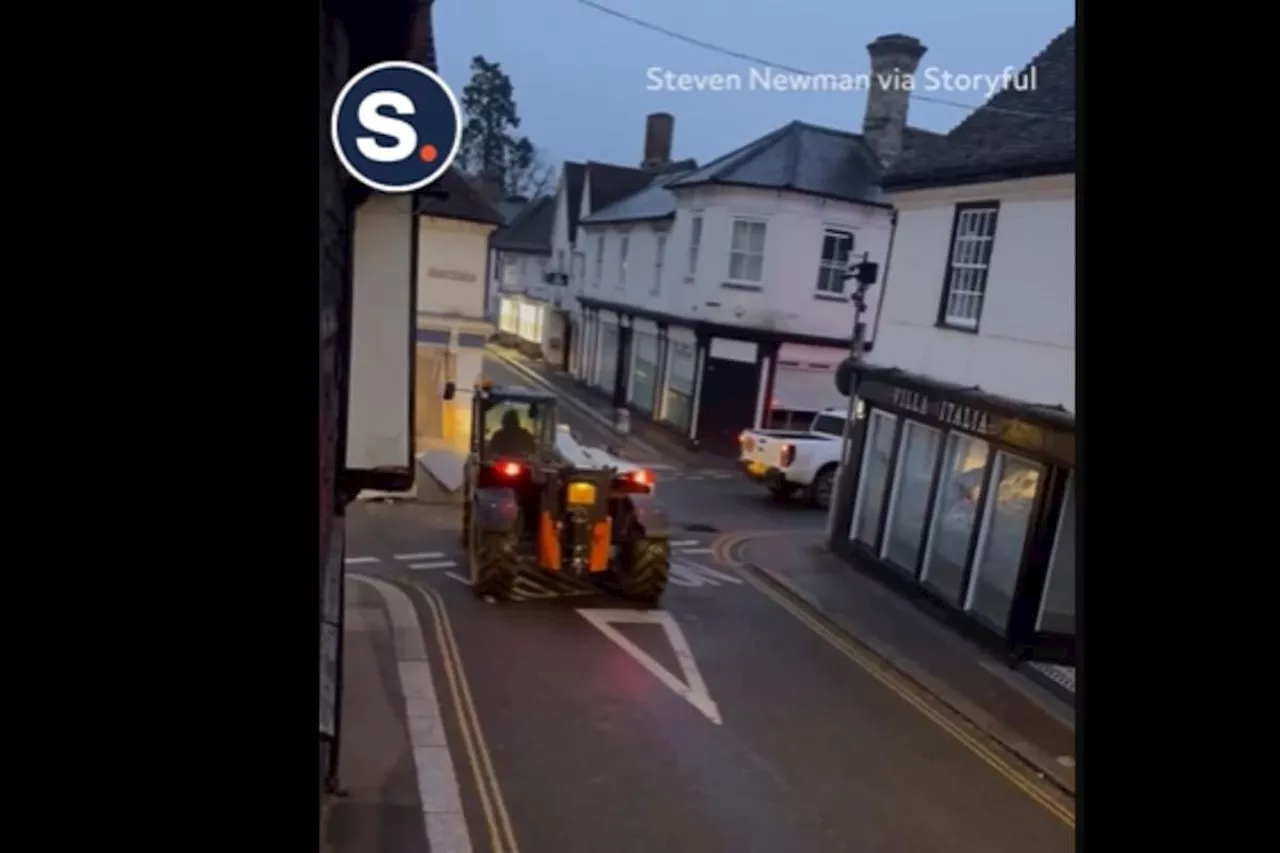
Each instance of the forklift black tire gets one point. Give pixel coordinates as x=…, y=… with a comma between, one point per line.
x=494, y=564
x=644, y=571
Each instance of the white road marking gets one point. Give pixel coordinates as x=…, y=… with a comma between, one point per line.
x=356, y=561
x=438, y=564
x=693, y=689
x=683, y=542
x=695, y=574
x=438, y=790
x=695, y=478
x=425, y=555
x=459, y=578
x=697, y=551
x=1066, y=761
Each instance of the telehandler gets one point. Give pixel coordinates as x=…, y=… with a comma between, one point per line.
x=538, y=500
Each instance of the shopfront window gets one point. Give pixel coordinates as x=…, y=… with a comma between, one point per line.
x=1058, y=607
x=954, y=514
x=1015, y=483
x=679, y=395
x=644, y=376
x=509, y=316
x=909, y=501
x=607, y=366
x=531, y=323
x=869, y=499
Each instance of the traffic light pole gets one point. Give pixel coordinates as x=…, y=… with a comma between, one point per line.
x=864, y=275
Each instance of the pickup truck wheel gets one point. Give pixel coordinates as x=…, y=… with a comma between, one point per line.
x=820, y=489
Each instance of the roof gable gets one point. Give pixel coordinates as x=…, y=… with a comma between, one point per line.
x=530, y=231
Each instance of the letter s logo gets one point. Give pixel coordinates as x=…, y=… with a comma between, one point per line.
x=406, y=138
x=396, y=127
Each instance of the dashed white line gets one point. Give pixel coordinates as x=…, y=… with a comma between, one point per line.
x=695, y=478
x=697, y=551
x=356, y=561
x=426, y=555
x=438, y=564
x=459, y=578
x=683, y=542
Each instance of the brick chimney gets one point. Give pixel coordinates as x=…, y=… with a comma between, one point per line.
x=893, y=58
x=422, y=37
x=659, y=128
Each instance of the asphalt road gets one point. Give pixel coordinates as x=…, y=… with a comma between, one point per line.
x=721, y=722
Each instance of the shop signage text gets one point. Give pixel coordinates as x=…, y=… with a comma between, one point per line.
x=450, y=275
x=957, y=415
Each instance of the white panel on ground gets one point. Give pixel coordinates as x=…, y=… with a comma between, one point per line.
x=379, y=426
x=692, y=689
x=731, y=350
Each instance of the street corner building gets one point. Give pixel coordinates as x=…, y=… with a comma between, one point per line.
x=455, y=222
x=959, y=481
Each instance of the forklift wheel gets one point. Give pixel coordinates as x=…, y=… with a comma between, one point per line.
x=494, y=565
x=643, y=570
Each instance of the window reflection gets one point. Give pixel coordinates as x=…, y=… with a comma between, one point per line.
x=1058, y=607
x=875, y=472
x=953, y=514
x=910, y=499
x=1000, y=545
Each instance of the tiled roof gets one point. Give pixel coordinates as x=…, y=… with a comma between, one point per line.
x=530, y=231
x=611, y=183
x=653, y=202
x=801, y=157
x=453, y=197
x=991, y=144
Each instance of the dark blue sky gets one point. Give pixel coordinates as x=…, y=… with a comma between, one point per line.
x=580, y=75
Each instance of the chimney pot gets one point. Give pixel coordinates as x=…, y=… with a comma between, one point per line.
x=893, y=57
x=659, y=129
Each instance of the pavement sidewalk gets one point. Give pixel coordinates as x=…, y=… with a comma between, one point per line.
x=380, y=808
x=1012, y=709
x=663, y=440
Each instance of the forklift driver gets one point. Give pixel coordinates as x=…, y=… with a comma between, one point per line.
x=511, y=439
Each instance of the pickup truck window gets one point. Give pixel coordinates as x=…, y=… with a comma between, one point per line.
x=828, y=425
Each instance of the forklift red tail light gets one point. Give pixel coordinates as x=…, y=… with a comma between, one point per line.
x=510, y=469
x=642, y=478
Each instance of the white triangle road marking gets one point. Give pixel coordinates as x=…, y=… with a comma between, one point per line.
x=693, y=689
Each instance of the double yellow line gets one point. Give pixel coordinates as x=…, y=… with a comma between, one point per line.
x=502, y=839
x=723, y=549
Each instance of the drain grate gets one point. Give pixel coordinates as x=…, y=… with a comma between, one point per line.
x=700, y=528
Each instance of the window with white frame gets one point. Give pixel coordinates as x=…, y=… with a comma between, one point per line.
x=973, y=235
x=657, y=267
x=695, y=242
x=559, y=260
x=622, y=261
x=599, y=271
x=579, y=265
x=837, y=247
x=746, y=253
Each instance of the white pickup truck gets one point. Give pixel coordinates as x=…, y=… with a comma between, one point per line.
x=790, y=462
